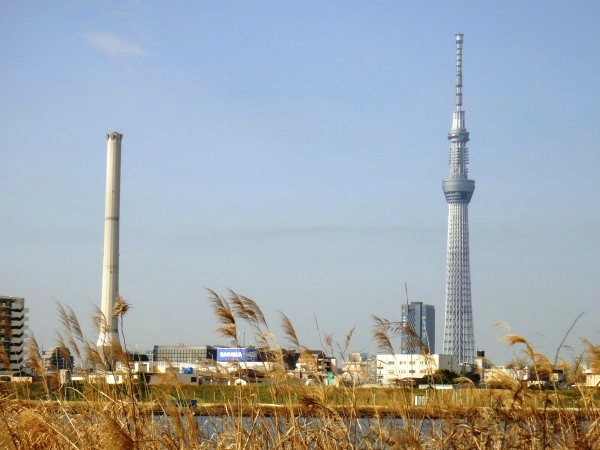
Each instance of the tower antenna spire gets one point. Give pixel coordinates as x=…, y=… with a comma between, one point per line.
x=459, y=43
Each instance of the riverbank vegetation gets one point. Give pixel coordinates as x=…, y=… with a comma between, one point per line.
x=283, y=413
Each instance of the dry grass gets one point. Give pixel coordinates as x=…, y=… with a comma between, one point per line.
x=287, y=415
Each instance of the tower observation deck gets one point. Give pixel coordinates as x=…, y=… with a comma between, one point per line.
x=458, y=189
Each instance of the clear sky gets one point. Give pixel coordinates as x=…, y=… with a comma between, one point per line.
x=294, y=152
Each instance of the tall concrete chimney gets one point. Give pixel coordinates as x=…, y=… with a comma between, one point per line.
x=109, y=333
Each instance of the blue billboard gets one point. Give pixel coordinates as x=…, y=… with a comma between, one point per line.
x=240, y=354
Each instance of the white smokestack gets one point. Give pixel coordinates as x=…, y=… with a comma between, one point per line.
x=109, y=334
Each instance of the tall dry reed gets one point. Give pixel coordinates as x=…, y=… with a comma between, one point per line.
x=284, y=413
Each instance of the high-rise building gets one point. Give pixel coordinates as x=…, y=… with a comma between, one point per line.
x=13, y=316
x=458, y=189
x=418, y=328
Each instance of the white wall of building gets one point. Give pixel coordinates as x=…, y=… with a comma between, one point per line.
x=392, y=368
x=592, y=379
x=501, y=374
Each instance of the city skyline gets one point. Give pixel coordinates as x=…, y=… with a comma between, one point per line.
x=294, y=154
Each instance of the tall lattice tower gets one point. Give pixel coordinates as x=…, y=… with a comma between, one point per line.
x=458, y=189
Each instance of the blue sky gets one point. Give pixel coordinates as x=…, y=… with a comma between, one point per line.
x=294, y=152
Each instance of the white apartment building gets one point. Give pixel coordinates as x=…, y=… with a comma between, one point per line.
x=394, y=368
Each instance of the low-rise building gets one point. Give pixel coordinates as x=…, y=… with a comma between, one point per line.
x=360, y=369
x=393, y=369
x=187, y=354
x=592, y=379
x=315, y=363
x=501, y=375
x=58, y=358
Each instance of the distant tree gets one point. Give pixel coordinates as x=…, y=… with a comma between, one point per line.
x=446, y=376
x=473, y=376
x=441, y=376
